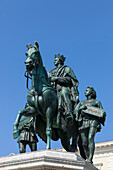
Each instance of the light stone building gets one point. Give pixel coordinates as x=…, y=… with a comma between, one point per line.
x=103, y=157
x=59, y=159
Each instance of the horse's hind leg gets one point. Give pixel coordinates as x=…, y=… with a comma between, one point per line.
x=49, y=126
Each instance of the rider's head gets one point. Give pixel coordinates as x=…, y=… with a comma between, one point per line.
x=59, y=59
x=90, y=92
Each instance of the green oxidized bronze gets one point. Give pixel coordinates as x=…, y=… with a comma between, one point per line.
x=42, y=104
x=66, y=84
x=27, y=134
x=89, y=116
x=52, y=110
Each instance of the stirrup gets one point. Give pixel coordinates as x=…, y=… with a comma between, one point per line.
x=69, y=118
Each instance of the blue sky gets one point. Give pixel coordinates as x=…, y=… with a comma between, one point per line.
x=80, y=30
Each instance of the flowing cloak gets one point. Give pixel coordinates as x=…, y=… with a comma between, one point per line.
x=66, y=78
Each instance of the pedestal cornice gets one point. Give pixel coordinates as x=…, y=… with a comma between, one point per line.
x=46, y=159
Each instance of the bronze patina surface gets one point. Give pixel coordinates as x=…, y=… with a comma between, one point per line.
x=43, y=101
x=89, y=116
x=53, y=110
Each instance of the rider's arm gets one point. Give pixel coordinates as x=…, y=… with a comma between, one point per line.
x=63, y=81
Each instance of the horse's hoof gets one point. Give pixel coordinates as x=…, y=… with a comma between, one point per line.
x=15, y=127
x=48, y=147
x=89, y=161
x=15, y=134
x=73, y=149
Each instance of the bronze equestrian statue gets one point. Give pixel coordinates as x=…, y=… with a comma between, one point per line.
x=53, y=110
x=42, y=103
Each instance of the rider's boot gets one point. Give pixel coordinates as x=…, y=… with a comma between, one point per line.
x=59, y=116
x=69, y=116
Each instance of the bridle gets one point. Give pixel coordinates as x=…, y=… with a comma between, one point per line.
x=39, y=77
x=26, y=74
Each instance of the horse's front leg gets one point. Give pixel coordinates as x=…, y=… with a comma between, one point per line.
x=28, y=111
x=49, y=126
x=15, y=125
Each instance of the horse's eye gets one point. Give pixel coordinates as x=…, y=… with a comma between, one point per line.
x=33, y=54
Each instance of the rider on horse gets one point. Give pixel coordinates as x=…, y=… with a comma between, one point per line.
x=66, y=83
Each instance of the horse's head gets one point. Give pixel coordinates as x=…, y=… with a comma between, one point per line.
x=33, y=56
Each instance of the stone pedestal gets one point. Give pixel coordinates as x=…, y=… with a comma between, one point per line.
x=45, y=160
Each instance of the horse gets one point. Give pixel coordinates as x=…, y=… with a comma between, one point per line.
x=42, y=103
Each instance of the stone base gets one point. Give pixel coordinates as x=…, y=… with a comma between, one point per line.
x=45, y=160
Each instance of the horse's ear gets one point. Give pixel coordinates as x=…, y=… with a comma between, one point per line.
x=36, y=43
x=28, y=46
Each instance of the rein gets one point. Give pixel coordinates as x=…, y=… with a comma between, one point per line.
x=37, y=75
x=27, y=76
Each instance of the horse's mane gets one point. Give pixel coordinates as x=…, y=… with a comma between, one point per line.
x=44, y=69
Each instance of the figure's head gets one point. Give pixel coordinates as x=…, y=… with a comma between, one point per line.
x=32, y=56
x=59, y=59
x=90, y=92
